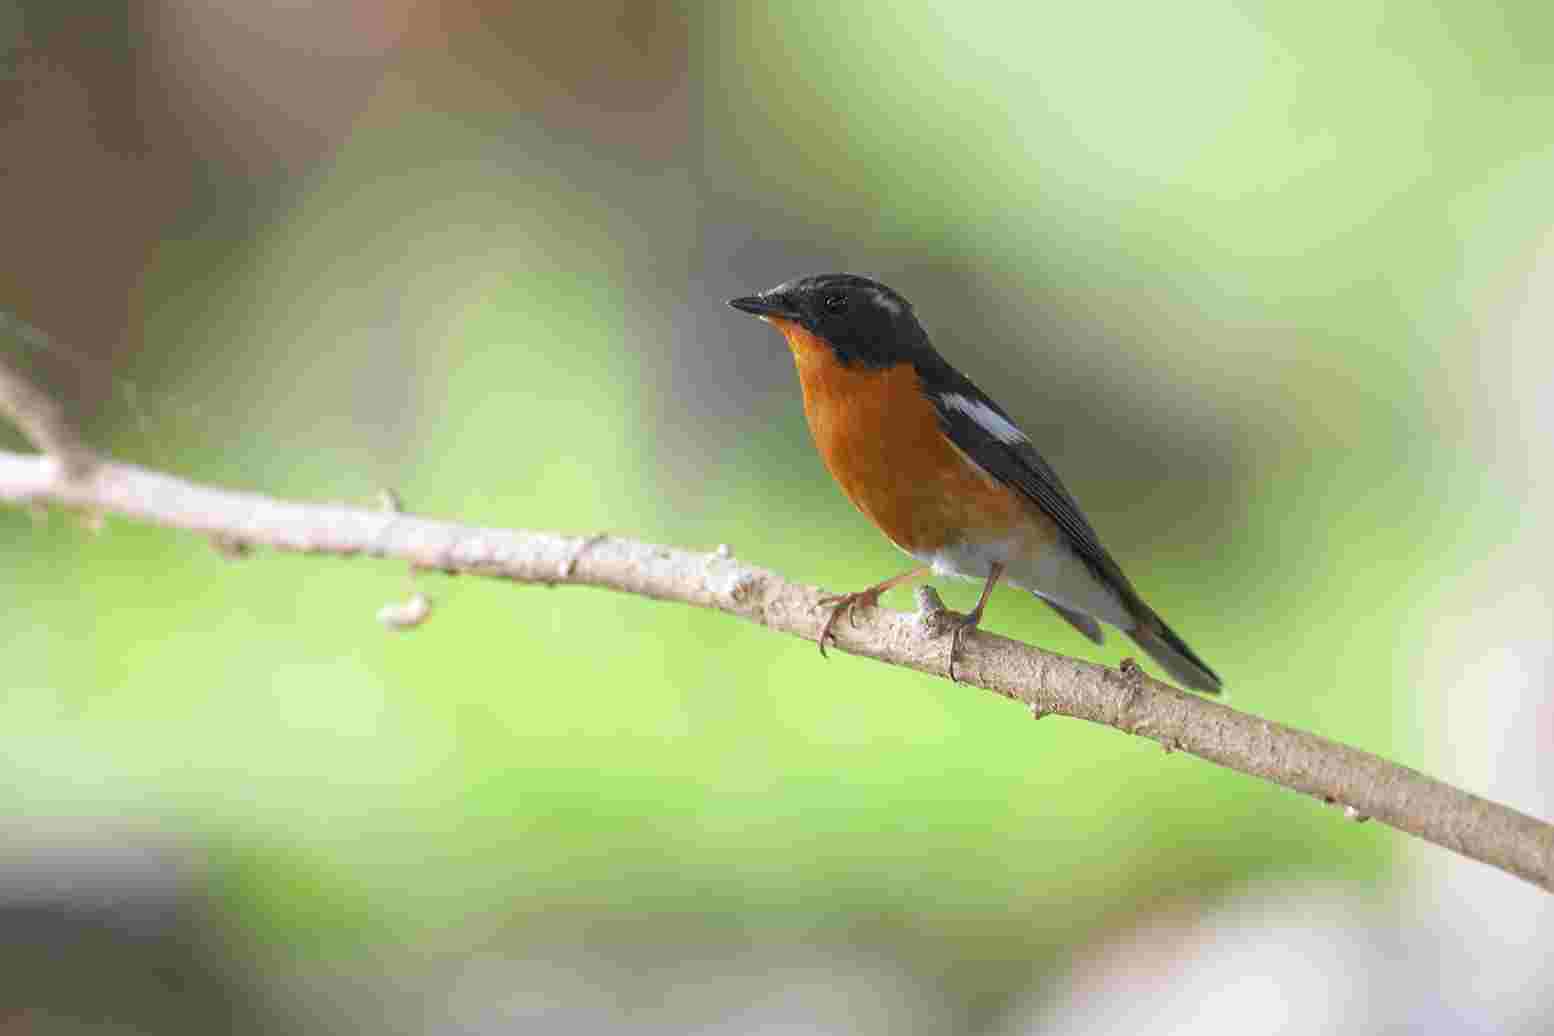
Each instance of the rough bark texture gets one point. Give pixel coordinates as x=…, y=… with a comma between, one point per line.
x=1364, y=785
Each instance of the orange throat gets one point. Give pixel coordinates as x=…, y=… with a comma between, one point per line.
x=880, y=438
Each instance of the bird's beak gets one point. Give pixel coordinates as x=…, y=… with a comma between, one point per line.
x=766, y=307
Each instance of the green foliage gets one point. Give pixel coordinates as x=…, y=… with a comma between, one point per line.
x=463, y=327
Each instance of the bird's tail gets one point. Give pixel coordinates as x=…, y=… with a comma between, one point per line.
x=1173, y=654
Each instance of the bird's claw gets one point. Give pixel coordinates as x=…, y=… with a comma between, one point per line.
x=840, y=603
x=963, y=625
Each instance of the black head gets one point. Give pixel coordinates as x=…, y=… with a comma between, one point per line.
x=862, y=320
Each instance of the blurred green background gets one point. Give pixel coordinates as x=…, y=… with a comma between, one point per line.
x=1246, y=272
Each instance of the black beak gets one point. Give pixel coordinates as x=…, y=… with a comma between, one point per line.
x=765, y=306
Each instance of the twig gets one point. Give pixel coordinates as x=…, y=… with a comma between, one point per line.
x=1362, y=784
x=1048, y=684
x=39, y=416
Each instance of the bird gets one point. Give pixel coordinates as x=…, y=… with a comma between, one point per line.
x=944, y=471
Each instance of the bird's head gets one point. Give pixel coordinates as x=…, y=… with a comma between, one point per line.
x=861, y=321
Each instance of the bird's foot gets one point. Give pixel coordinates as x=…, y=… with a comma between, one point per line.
x=937, y=621
x=961, y=625
x=839, y=603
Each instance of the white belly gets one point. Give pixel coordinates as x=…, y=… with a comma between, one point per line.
x=1053, y=571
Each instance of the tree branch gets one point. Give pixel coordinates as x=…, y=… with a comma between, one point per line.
x=39, y=416
x=1363, y=784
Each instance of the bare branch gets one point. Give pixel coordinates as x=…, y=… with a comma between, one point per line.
x=1049, y=684
x=1363, y=785
x=41, y=419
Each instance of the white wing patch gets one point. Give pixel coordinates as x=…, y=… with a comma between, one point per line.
x=988, y=419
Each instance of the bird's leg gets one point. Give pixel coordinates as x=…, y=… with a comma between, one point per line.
x=970, y=622
x=840, y=603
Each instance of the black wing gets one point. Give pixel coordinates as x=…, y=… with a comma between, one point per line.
x=985, y=433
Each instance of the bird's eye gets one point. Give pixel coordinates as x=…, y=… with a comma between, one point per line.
x=836, y=304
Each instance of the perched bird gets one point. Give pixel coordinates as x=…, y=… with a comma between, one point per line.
x=944, y=472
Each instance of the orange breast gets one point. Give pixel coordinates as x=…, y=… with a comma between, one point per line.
x=879, y=436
